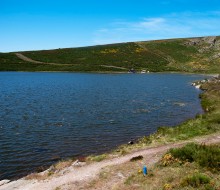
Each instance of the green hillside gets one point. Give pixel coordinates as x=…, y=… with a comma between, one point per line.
x=185, y=55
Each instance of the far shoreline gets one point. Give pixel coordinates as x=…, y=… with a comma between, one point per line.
x=115, y=72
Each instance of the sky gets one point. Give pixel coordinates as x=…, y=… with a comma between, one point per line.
x=50, y=24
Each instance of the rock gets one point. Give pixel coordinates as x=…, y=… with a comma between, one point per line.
x=198, y=86
x=193, y=42
x=121, y=175
x=204, y=44
x=75, y=163
x=216, y=56
x=131, y=142
x=3, y=182
x=80, y=164
x=136, y=158
x=52, y=168
x=65, y=171
x=210, y=39
x=217, y=76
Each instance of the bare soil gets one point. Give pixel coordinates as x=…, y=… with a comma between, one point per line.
x=25, y=58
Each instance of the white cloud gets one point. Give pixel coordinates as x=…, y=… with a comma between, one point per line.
x=151, y=22
x=186, y=24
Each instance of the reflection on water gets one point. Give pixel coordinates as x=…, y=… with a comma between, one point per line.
x=48, y=116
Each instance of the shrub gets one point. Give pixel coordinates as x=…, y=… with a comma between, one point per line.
x=205, y=156
x=167, y=187
x=168, y=159
x=97, y=158
x=185, y=153
x=209, y=187
x=146, y=140
x=195, y=180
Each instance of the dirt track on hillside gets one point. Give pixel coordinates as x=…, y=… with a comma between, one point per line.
x=24, y=58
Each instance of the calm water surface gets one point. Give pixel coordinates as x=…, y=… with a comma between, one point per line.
x=46, y=116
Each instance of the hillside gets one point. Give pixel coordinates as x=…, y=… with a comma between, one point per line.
x=185, y=55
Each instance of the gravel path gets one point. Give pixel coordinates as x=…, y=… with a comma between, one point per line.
x=110, y=66
x=84, y=174
x=24, y=58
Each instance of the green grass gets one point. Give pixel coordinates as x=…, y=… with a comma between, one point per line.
x=124, y=55
x=179, y=175
x=196, y=180
x=12, y=63
x=206, y=156
x=97, y=158
x=155, y=56
x=174, y=48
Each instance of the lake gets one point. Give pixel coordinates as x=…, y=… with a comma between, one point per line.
x=49, y=116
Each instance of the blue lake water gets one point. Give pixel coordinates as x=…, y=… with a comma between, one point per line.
x=46, y=116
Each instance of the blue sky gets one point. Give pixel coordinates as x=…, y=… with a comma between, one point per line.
x=44, y=24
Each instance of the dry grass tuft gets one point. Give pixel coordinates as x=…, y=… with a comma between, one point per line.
x=37, y=176
x=63, y=164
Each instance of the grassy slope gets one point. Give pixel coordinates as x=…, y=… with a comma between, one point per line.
x=188, y=55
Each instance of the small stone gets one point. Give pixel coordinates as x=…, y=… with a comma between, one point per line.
x=131, y=142
x=121, y=175
x=3, y=182
x=136, y=158
x=75, y=163
x=198, y=86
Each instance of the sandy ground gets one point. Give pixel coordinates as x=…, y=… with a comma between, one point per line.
x=75, y=177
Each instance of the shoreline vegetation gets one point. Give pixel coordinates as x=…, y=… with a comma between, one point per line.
x=200, y=171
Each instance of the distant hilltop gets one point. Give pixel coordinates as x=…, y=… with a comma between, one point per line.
x=201, y=55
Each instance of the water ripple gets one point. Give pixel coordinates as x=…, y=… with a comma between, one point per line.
x=48, y=116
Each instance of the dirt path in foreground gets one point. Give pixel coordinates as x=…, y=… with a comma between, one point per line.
x=78, y=176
